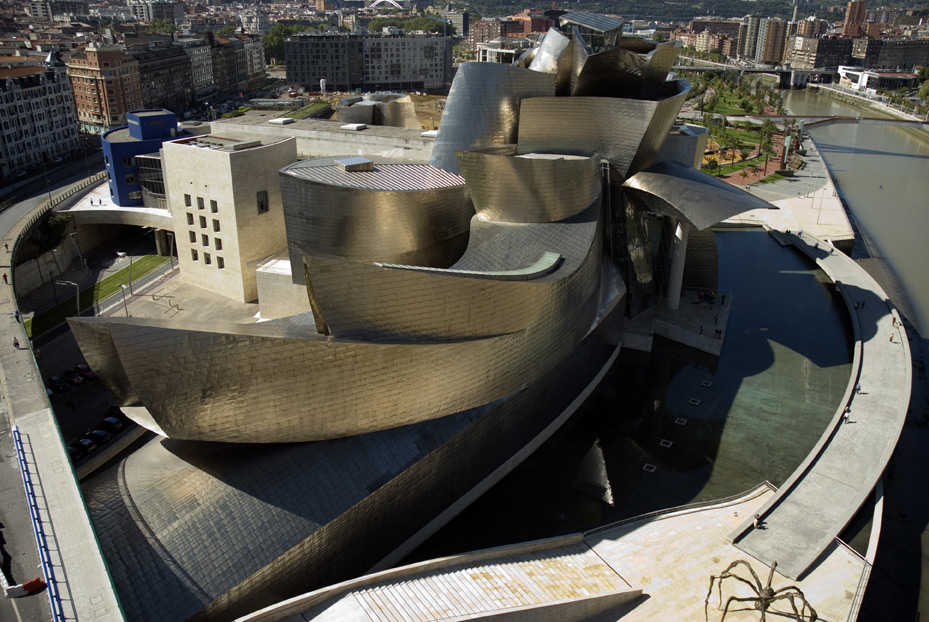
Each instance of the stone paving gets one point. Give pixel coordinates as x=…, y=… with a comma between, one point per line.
x=825, y=492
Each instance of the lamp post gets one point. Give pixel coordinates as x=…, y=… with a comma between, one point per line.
x=77, y=248
x=171, y=248
x=125, y=306
x=121, y=254
x=77, y=294
x=51, y=278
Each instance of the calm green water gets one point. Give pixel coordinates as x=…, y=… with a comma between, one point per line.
x=783, y=369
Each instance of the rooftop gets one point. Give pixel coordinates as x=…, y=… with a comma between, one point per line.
x=384, y=176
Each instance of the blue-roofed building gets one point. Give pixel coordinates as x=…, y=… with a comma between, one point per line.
x=146, y=132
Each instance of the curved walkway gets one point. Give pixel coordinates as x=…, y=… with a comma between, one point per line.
x=816, y=503
x=87, y=592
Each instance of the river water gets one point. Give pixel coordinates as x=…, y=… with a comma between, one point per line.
x=883, y=175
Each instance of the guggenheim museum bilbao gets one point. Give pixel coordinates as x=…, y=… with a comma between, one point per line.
x=430, y=323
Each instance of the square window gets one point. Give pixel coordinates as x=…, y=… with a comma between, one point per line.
x=187, y=200
x=205, y=240
x=199, y=202
x=213, y=207
x=203, y=222
x=220, y=263
x=206, y=258
x=218, y=244
x=263, y=201
x=193, y=237
x=190, y=219
x=193, y=254
x=215, y=225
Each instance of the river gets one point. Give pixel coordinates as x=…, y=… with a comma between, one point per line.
x=881, y=172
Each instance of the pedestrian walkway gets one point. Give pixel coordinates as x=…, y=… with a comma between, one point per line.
x=836, y=479
x=83, y=581
x=667, y=557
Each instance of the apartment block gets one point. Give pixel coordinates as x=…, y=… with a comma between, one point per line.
x=106, y=86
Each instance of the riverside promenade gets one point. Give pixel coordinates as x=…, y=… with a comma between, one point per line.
x=79, y=586
x=825, y=492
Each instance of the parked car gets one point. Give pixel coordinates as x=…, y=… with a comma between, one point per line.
x=88, y=445
x=58, y=385
x=86, y=372
x=98, y=436
x=72, y=377
x=76, y=450
x=112, y=424
x=114, y=411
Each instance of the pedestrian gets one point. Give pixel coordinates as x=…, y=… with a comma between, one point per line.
x=16, y=343
x=701, y=329
x=846, y=414
x=756, y=521
x=894, y=321
x=17, y=316
x=7, y=247
x=862, y=304
x=722, y=300
x=856, y=304
x=716, y=319
x=857, y=387
x=891, y=337
x=5, y=280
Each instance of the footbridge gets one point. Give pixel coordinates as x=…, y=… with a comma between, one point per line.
x=816, y=503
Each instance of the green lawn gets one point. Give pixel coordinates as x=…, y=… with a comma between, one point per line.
x=308, y=111
x=50, y=318
x=770, y=178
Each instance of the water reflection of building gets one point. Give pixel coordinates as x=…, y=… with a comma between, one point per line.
x=456, y=313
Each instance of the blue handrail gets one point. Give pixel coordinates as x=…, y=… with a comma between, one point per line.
x=54, y=596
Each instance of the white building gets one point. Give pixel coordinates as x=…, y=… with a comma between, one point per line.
x=225, y=199
x=36, y=117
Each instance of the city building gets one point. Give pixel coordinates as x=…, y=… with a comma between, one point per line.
x=370, y=62
x=488, y=29
x=37, y=117
x=165, y=76
x=460, y=20
x=727, y=27
x=812, y=27
x=748, y=36
x=47, y=10
x=856, y=14
x=870, y=81
x=253, y=53
x=772, y=40
x=157, y=10
x=805, y=52
x=199, y=52
x=106, y=86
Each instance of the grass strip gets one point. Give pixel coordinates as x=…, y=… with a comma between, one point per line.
x=48, y=319
x=311, y=110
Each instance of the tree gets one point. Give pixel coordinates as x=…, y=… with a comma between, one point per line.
x=225, y=31
x=274, y=41
x=658, y=37
x=924, y=90
x=161, y=27
x=712, y=166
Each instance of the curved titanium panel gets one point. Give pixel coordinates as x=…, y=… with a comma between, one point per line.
x=97, y=344
x=550, y=51
x=399, y=112
x=627, y=132
x=673, y=189
x=401, y=213
x=621, y=73
x=483, y=108
x=373, y=302
x=529, y=189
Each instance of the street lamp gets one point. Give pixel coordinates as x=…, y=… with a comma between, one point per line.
x=77, y=294
x=121, y=254
x=171, y=248
x=125, y=306
x=77, y=248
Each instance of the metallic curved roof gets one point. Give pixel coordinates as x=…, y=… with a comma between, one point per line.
x=673, y=189
x=385, y=176
x=602, y=23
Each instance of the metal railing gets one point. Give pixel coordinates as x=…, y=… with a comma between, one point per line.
x=38, y=529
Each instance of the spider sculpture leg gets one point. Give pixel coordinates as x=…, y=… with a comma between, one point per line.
x=748, y=599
